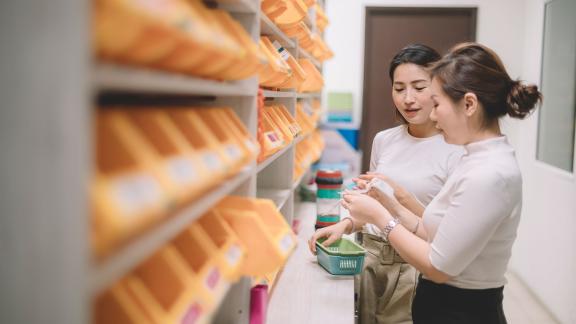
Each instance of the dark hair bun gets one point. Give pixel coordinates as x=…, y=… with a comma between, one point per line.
x=522, y=99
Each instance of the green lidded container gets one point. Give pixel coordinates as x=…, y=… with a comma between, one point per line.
x=343, y=257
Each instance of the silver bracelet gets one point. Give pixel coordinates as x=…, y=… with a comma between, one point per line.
x=351, y=222
x=389, y=227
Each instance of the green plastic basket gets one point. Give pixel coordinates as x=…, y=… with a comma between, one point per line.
x=342, y=257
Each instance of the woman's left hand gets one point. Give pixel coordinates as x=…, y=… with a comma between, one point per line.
x=392, y=203
x=365, y=208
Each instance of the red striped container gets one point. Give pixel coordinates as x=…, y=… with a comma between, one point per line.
x=329, y=184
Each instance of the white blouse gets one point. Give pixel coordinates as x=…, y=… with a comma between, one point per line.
x=419, y=165
x=472, y=222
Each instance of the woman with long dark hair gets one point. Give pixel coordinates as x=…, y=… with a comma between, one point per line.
x=414, y=155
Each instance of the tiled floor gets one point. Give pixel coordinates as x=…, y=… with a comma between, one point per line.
x=520, y=305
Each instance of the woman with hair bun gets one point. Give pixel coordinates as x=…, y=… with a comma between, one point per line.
x=463, y=248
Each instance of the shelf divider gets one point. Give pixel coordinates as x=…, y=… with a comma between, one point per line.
x=113, y=77
x=239, y=6
x=317, y=95
x=278, y=196
x=304, y=54
x=279, y=94
x=268, y=28
x=273, y=158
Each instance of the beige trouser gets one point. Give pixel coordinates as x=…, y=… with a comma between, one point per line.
x=386, y=286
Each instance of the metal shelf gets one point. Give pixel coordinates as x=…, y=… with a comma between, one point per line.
x=111, y=77
x=278, y=196
x=239, y=6
x=268, y=28
x=116, y=266
x=279, y=94
x=308, y=95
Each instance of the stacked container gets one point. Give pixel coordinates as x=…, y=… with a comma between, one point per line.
x=329, y=184
x=185, y=280
x=174, y=35
x=151, y=162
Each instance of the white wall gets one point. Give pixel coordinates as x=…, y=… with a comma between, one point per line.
x=544, y=255
x=496, y=28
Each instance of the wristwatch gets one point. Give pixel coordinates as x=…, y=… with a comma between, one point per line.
x=389, y=227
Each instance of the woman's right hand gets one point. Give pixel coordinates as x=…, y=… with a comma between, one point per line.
x=400, y=200
x=332, y=233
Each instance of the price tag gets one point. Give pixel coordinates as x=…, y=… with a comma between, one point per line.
x=251, y=146
x=286, y=243
x=283, y=52
x=233, y=151
x=212, y=279
x=192, y=314
x=212, y=161
x=233, y=255
x=181, y=170
x=135, y=193
x=273, y=138
x=294, y=129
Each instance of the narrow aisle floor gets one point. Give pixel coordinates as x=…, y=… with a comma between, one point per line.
x=521, y=306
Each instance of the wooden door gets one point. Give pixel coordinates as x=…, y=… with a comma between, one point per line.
x=387, y=31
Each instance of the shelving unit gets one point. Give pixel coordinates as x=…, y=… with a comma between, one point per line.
x=48, y=275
